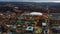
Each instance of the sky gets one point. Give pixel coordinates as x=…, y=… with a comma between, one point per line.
x=30, y=0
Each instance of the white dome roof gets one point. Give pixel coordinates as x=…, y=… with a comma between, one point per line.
x=36, y=13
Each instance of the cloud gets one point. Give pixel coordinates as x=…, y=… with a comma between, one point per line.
x=28, y=0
